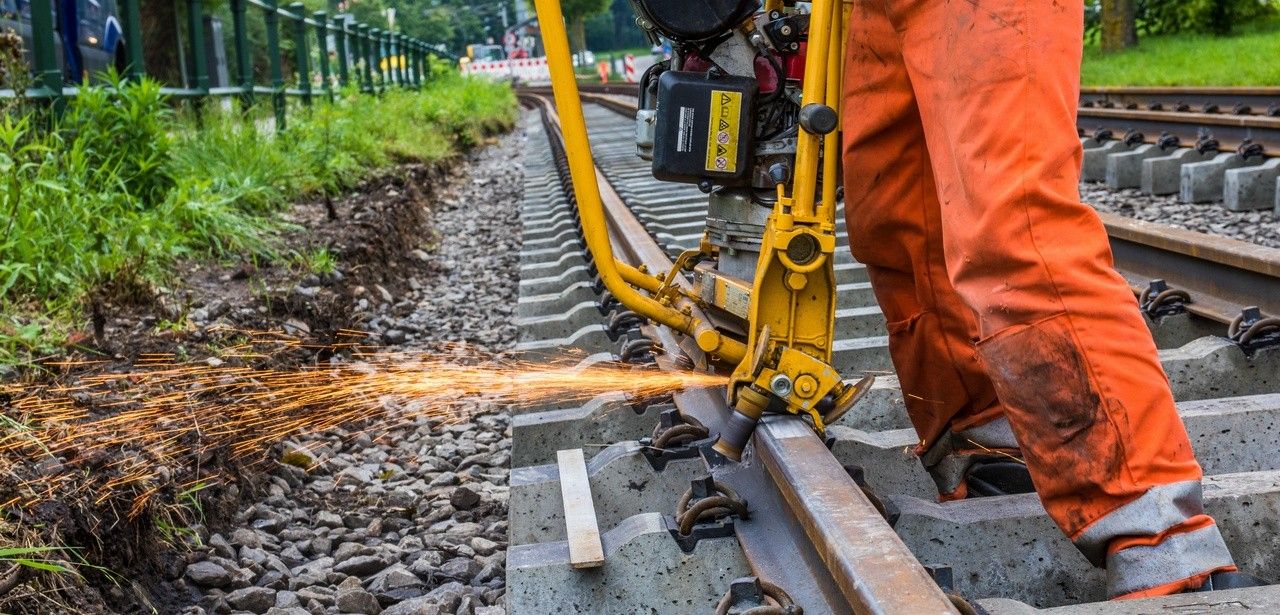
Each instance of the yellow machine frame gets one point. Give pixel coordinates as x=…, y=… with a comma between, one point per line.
x=790, y=319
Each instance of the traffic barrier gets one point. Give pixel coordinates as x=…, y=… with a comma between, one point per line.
x=629, y=68
x=526, y=70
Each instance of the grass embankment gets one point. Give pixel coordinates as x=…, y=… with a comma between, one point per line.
x=124, y=187
x=1246, y=58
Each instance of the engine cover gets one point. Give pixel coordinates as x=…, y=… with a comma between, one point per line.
x=704, y=127
x=680, y=20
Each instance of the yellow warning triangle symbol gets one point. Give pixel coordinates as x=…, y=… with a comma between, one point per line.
x=721, y=150
x=724, y=125
x=724, y=98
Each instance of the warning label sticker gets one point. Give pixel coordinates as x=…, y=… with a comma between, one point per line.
x=684, y=128
x=722, y=131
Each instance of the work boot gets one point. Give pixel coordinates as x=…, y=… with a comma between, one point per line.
x=1231, y=579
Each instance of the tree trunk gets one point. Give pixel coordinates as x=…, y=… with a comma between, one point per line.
x=1119, y=27
x=579, y=28
x=160, y=41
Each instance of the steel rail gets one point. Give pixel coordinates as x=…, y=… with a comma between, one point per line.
x=1229, y=130
x=812, y=530
x=1259, y=100
x=1223, y=275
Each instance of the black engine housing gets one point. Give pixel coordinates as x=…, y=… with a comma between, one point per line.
x=704, y=128
x=685, y=21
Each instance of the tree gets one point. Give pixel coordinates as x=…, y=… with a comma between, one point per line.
x=1119, y=25
x=576, y=14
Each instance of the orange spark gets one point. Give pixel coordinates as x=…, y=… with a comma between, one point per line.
x=125, y=433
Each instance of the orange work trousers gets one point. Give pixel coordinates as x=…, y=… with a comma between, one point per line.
x=962, y=169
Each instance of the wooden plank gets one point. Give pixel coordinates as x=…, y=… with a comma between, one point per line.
x=585, y=549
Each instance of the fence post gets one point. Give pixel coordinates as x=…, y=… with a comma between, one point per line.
x=48, y=74
x=244, y=63
x=278, y=102
x=391, y=57
x=411, y=57
x=375, y=58
x=131, y=23
x=424, y=56
x=384, y=54
x=340, y=42
x=397, y=76
x=322, y=35
x=402, y=59
x=195, y=34
x=413, y=63
x=421, y=63
x=366, y=76
x=302, y=57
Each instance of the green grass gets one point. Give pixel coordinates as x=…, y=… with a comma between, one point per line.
x=1246, y=58
x=319, y=262
x=123, y=187
x=32, y=557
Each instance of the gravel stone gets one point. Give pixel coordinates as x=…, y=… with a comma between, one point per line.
x=356, y=600
x=252, y=599
x=329, y=519
x=415, y=606
x=208, y=574
x=361, y=565
x=464, y=498
x=244, y=537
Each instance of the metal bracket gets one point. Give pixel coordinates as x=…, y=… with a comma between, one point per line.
x=722, y=528
x=1253, y=331
x=1158, y=299
x=658, y=458
x=943, y=575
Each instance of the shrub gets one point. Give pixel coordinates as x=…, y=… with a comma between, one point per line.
x=1154, y=17
x=124, y=128
x=122, y=187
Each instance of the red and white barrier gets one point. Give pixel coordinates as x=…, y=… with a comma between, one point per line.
x=629, y=68
x=528, y=70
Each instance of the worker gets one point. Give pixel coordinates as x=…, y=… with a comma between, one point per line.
x=1012, y=335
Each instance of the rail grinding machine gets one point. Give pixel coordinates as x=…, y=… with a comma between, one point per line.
x=746, y=109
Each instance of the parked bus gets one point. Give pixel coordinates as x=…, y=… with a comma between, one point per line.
x=94, y=46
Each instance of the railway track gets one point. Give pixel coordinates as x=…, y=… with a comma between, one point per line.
x=810, y=530
x=1205, y=145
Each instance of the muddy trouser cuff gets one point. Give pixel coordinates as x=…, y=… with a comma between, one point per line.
x=1178, y=556
x=950, y=458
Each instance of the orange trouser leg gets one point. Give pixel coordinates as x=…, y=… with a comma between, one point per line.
x=895, y=229
x=994, y=84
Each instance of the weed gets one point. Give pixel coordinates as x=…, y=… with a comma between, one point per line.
x=319, y=261
x=23, y=556
x=176, y=521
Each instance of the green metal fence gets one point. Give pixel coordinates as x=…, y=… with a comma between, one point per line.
x=370, y=58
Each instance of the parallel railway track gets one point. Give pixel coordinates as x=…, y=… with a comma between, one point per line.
x=810, y=530
x=1229, y=115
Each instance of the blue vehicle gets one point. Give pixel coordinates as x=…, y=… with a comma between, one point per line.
x=95, y=40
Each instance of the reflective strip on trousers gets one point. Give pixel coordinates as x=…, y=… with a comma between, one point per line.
x=1159, y=509
x=1180, y=556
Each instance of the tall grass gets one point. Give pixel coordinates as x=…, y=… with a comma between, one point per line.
x=1244, y=58
x=122, y=187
